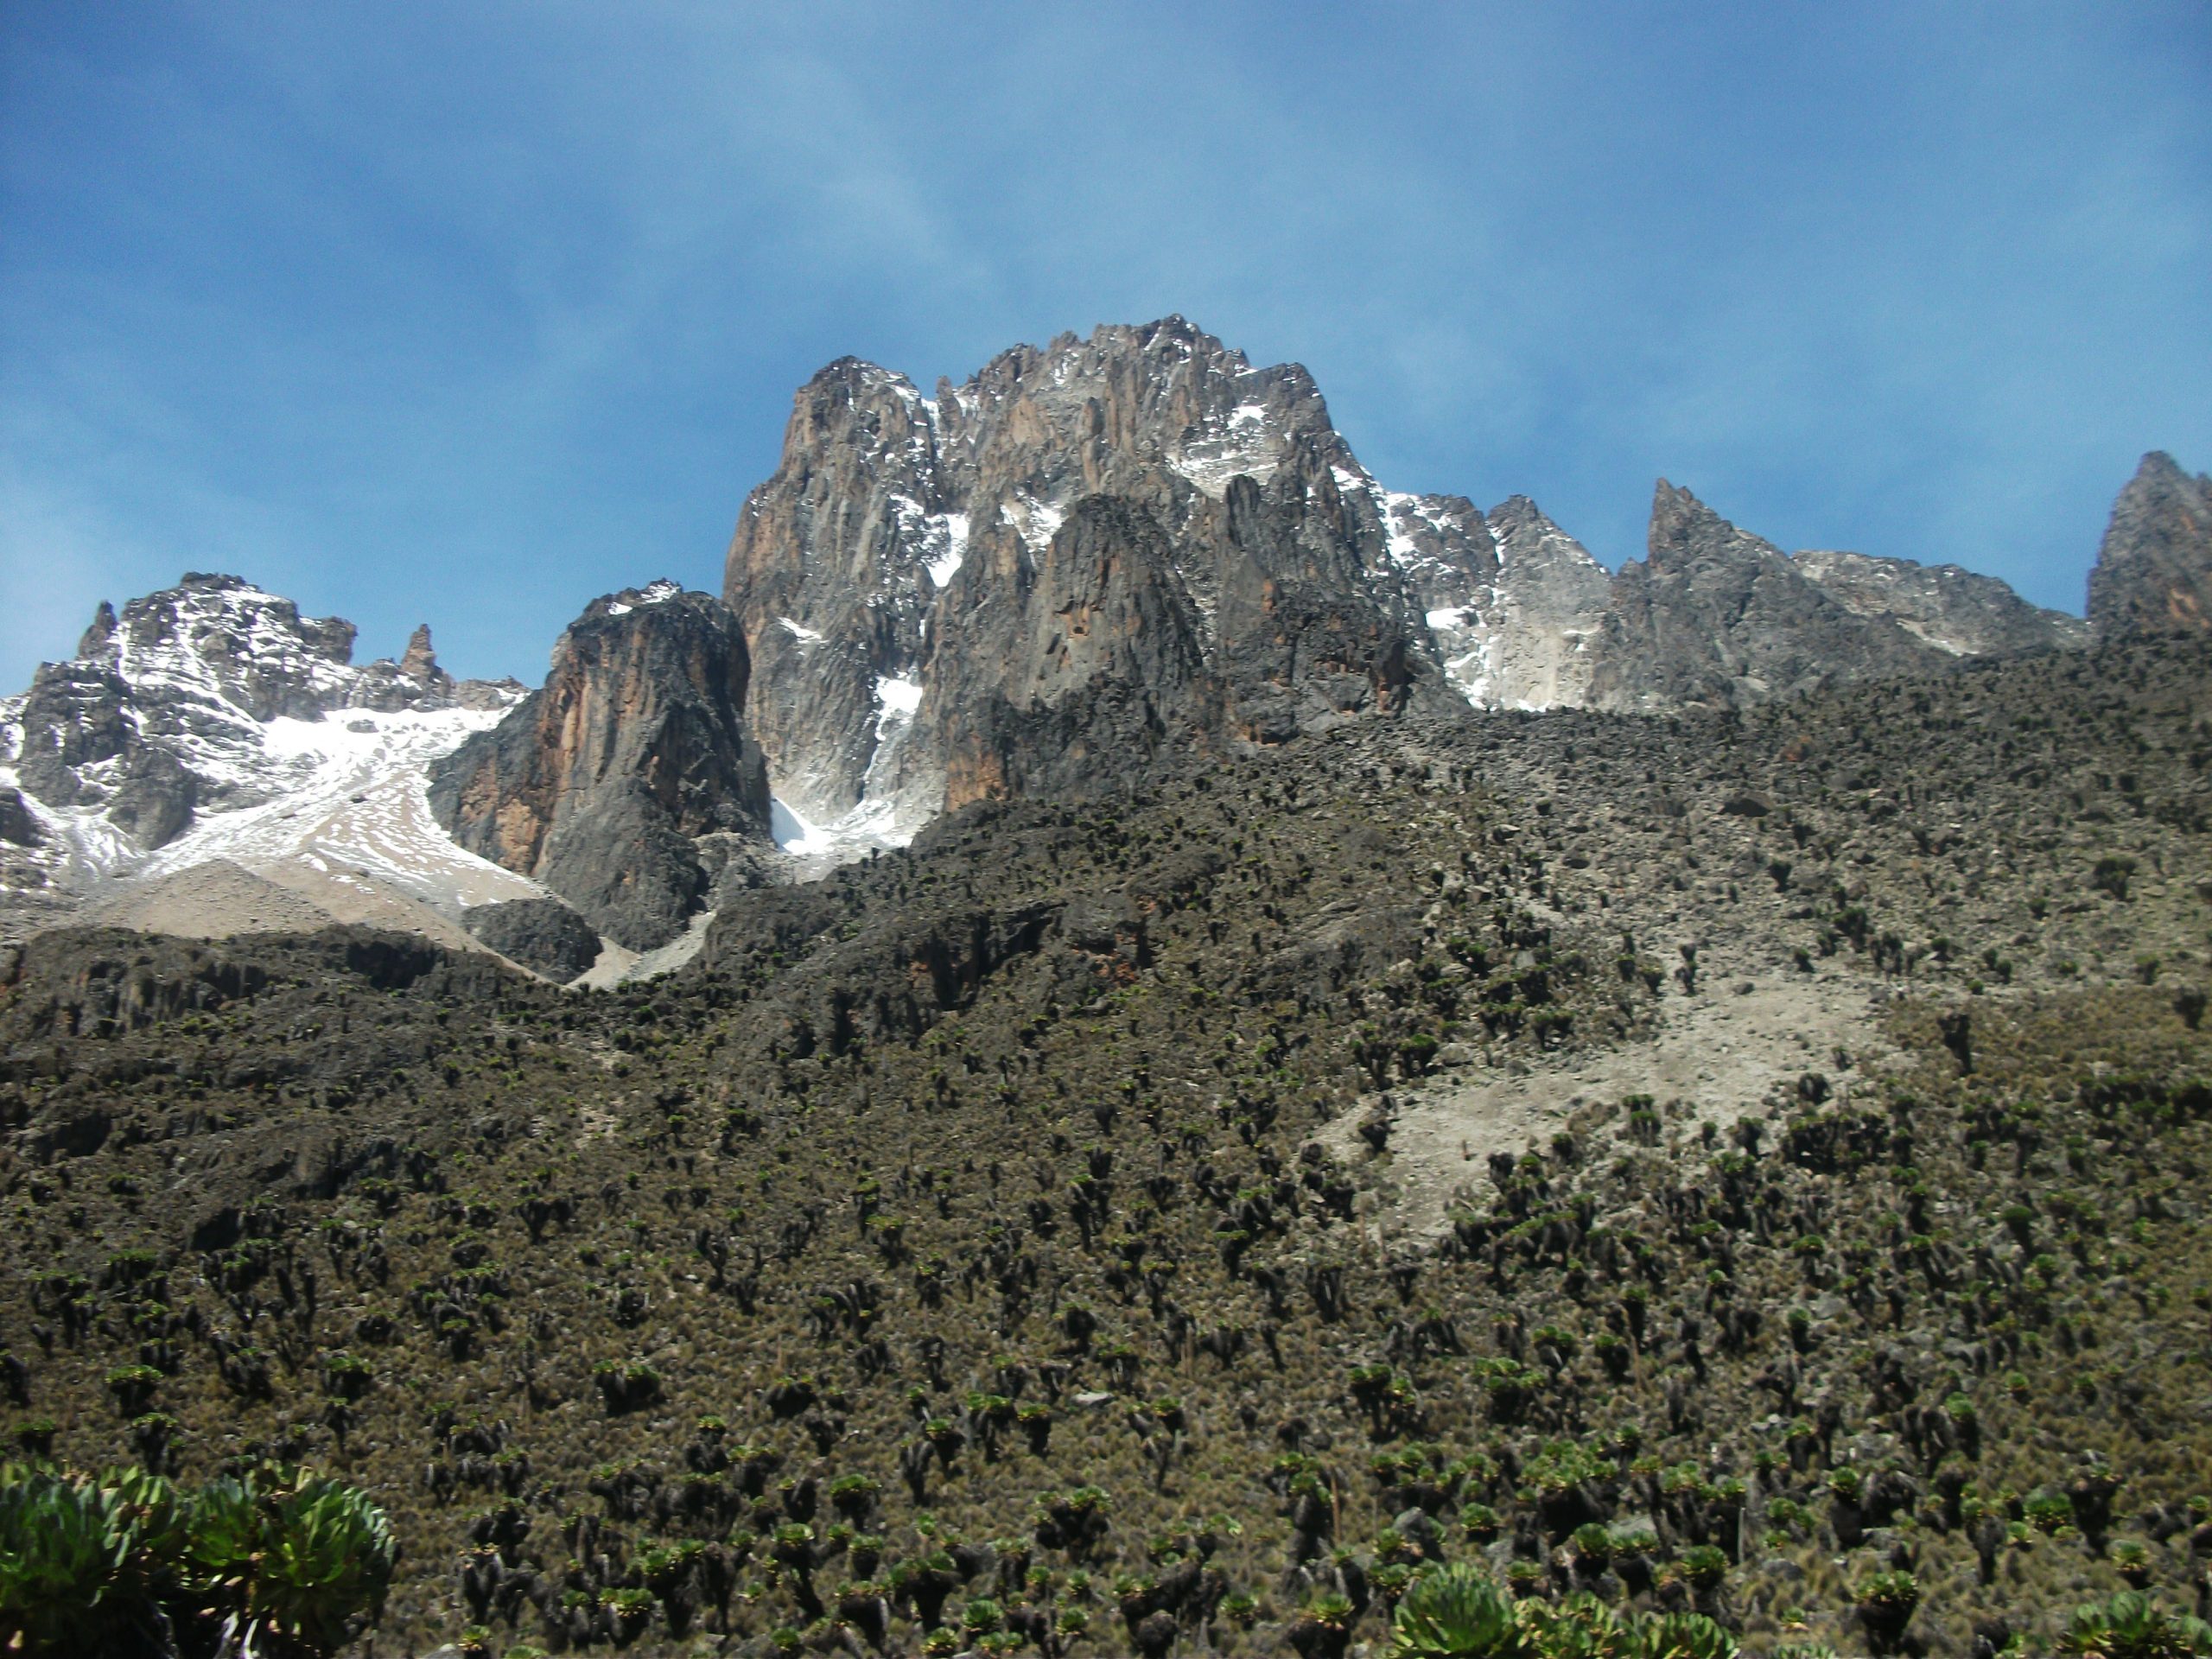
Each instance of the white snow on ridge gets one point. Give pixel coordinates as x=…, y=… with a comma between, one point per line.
x=1240, y=443
x=876, y=821
x=357, y=807
x=804, y=635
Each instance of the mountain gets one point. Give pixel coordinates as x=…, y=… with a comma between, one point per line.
x=626, y=783
x=1084, y=557
x=1953, y=609
x=1089, y=562
x=211, y=722
x=1716, y=618
x=2153, y=573
x=1114, y=548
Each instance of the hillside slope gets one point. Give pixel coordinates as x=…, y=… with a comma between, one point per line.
x=1057, y=1227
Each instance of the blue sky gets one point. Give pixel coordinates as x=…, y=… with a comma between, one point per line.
x=468, y=312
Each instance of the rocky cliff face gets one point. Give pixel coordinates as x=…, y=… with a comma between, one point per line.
x=1953, y=609
x=937, y=616
x=627, y=783
x=2153, y=573
x=164, y=714
x=927, y=604
x=1716, y=618
x=1518, y=636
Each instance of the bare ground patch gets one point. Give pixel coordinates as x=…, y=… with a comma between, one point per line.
x=1721, y=1054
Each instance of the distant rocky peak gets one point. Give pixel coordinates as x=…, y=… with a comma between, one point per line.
x=224, y=638
x=1953, y=609
x=1684, y=530
x=161, y=716
x=2153, y=573
x=889, y=509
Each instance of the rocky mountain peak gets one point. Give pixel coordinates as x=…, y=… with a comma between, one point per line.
x=896, y=524
x=213, y=760
x=1684, y=532
x=1953, y=609
x=162, y=714
x=1715, y=617
x=2153, y=573
x=627, y=783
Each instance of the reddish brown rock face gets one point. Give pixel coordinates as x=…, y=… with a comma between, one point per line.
x=946, y=551
x=617, y=782
x=2154, y=574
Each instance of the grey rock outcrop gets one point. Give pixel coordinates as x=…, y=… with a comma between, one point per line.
x=615, y=784
x=1953, y=609
x=543, y=934
x=1716, y=618
x=919, y=627
x=1518, y=636
x=415, y=681
x=17, y=827
x=2154, y=574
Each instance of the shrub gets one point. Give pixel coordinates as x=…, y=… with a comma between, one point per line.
x=1456, y=1612
x=286, y=1560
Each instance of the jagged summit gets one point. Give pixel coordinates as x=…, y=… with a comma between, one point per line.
x=2153, y=573
x=910, y=616
x=213, y=721
x=893, y=574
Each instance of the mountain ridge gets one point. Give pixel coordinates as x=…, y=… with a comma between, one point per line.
x=1046, y=580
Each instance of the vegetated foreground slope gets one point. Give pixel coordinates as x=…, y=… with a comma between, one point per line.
x=947, y=1259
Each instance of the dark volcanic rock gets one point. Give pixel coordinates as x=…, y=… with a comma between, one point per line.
x=17, y=827
x=1100, y=671
x=2154, y=574
x=542, y=934
x=602, y=784
x=1716, y=618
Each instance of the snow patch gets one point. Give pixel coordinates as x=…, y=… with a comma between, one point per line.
x=1037, y=521
x=804, y=635
x=357, y=807
x=876, y=821
x=946, y=565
